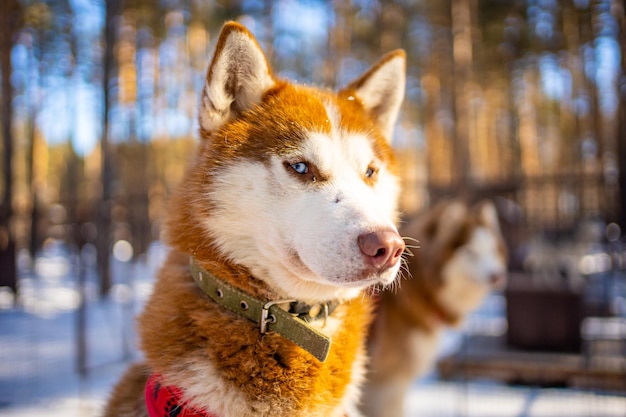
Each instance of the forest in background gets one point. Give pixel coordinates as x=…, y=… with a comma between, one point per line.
x=523, y=101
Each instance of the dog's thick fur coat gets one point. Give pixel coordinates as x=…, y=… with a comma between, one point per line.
x=292, y=195
x=462, y=256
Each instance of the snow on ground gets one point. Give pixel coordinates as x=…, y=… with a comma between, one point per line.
x=39, y=345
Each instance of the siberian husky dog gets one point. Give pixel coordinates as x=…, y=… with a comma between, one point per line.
x=462, y=256
x=283, y=220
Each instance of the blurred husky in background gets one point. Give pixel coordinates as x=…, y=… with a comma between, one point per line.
x=462, y=256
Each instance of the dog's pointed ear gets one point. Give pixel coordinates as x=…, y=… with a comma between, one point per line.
x=381, y=90
x=442, y=223
x=488, y=215
x=450, y=221
x=236, y=80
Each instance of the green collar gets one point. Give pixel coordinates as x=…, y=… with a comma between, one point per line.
x=269, y=316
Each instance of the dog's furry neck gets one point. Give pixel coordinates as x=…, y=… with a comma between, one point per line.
x=419, y=303
x=193, y=344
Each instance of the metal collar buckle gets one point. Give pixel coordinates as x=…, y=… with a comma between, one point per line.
x=284, y=323
x=266, y=317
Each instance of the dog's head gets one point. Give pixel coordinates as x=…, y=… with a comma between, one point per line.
x=463, y=255
x=294, y=183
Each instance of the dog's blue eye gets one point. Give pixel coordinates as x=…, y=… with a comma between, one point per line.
x=369, y=172
x=300, y=167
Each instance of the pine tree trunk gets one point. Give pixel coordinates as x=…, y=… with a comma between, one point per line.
x=620, y=10
x=103, y=243
x=10, y=16
x=462, y=58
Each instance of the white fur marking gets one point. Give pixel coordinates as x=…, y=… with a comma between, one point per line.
x=383, y=92
x=265, y=216
x=203, y=384
x=467, y=273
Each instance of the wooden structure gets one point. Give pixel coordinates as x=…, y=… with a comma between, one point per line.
x=600, y=366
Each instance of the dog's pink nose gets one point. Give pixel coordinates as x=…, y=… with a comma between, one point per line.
x=382, y=248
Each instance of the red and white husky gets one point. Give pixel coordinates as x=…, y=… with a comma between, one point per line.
x=284, y=218
x=462, y=256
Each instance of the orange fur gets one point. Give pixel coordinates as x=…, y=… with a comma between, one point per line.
x=180, y=321
x=188, y=339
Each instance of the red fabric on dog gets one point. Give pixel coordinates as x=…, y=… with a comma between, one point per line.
x=165, y=401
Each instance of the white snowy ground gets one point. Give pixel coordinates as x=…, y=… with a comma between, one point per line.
x=39, y=344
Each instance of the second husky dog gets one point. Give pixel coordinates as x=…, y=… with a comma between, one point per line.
x=461, y=257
